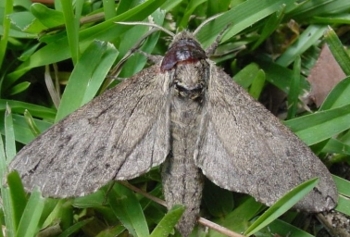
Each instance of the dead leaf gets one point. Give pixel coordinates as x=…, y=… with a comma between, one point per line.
x=324, y=76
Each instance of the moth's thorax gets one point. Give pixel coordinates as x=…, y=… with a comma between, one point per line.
x=186, y=64
x=189, y=81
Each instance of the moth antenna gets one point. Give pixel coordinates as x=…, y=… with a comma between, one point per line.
x=148, y=24
x=116, y=69
x=206, y=22
x=211, y=49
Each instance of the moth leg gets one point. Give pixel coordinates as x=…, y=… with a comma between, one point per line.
x=154, y=59
x=211, y=49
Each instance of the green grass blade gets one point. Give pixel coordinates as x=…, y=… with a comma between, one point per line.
x=9, y=219
x=47, y=16
x=28, y=225
x=105, y=31
x=12, y=212
x=74, y=228
x=309, y=9
x=270, y=26
x=129, y=211
x=18, y=197
x=20, y=87
x=320, y=126
x=57, y=211
x=282, y=205
x=340, y=19
x=9, y=216
x=219, y=202
x=167, y=224
x=342, y=185
x=36, y=110
x=338, y=51
x=87, y=77
x=5, y=30
x=257, y=85
x=338, y=97
x=238, y=219
x=308, y=38
x=343, y=205
x=293, y=96
x=31, y=123
x=111, y=232
x=3, y=162
x=109, y=8
x=246, y=76
x=240, y=17
x=2, y=224
x=281, y=228
x=191, y=6
x=280, y=76
x=23, y=132
x=336, y=146
x=10, y=145
x=72, y=28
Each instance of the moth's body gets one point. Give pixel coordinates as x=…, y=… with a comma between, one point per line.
x=182, y=179
x=188, y=115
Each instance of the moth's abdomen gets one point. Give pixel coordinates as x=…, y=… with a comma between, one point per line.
x=182, y=180
x=183, y=185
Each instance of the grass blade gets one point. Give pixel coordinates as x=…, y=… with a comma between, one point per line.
x=282, y=205
x=167, y=224
x=87, y=77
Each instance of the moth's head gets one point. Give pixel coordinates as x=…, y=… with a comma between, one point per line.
x=184, y=49
x=186, y=61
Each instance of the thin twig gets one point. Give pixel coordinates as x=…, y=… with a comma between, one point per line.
x=143, y=193
x=218, y=228
x=201, y=220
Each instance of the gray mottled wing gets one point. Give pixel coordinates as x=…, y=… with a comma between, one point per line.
x=119, y=135
x=244, y=148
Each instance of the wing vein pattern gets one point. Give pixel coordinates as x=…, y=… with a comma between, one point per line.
x=122, y=137
x=258, y=155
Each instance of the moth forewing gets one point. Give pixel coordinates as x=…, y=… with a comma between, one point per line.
x=102, y=140
x=246, y=149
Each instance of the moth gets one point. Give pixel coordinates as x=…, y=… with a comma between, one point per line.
x=187, y=115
